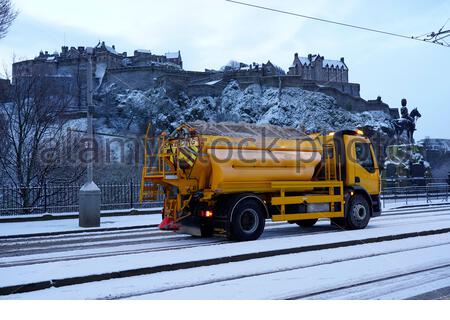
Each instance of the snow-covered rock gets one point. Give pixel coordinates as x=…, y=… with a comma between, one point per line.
x=311, y=111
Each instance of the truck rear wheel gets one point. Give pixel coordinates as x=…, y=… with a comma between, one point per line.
x=358, y=214
x=307, y=223
x=248, y=220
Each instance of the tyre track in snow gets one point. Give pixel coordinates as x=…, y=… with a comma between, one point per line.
x=167, y=243
x=151, y=237
x=279, y=232
x=106, y=235
x=143, y=228
x=317, y=295
x=337, y=292
x=163, y=240
x=44, y=245
x=56, y=283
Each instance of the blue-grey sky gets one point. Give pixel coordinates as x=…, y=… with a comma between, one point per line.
x=211, y=32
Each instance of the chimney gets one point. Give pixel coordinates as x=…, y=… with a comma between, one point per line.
x=310, y=57
x=114, y=47
x=342, y=60
x=296, y=55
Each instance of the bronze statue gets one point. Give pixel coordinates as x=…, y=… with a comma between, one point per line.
x=406, y=122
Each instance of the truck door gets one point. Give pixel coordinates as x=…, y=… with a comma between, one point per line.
x=365, y=168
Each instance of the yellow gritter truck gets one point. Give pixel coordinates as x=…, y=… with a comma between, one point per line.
x=226, y=179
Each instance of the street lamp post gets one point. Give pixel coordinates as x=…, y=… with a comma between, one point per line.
x=90, y=194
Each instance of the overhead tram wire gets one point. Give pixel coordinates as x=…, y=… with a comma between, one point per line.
x=336, y=23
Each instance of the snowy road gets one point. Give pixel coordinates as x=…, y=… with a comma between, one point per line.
x=286, y=263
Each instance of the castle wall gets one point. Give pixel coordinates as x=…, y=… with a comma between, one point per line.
x=144, y=78
x=5, y=90
x=69, y=69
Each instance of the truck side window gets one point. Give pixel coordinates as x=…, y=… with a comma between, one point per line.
x=364, y=156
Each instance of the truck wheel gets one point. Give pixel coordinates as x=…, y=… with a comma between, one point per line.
x=248, y=220
x=307, y=223
x=358, y=214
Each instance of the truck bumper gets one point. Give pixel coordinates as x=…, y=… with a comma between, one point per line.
x=376, y=206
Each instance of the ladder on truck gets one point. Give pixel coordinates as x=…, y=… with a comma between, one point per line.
x=151, y=171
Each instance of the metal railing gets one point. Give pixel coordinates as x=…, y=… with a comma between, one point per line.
x=431, y=193
x=411, y=182
x=60, y=199
x=64, y=199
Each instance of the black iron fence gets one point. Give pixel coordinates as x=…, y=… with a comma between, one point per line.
x=60, y=199
x=64, y=199
x=431, y=193
x=411, y=182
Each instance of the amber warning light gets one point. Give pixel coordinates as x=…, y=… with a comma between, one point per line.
x=206, y=213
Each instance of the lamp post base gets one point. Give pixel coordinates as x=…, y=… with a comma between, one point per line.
x=90, y=202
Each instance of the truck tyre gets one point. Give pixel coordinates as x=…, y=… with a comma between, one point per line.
x=248, y=220
x=358, y=214
x=307, y=223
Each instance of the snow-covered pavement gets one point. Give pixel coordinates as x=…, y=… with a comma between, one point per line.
x=68, y=225
x=309, y=272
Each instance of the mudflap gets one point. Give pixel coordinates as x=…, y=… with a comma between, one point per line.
x=191, y=225
x=168, y=224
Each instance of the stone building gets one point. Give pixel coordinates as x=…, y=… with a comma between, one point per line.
x=146, y=57
x=5, y=90
x=270, y=69
x=317, y=68
x=68, y=68
x=69, y=61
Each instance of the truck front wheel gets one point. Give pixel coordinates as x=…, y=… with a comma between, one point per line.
x=248, y=220
x=358, y=214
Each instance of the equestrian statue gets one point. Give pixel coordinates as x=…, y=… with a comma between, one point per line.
x=406, y=122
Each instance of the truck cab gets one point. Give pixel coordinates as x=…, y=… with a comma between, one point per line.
x=360, y=172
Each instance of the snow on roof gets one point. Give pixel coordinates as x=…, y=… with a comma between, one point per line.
x=172, y=55
x=326, y=62
x=111, y=50
x=305, y=61
x=144, y=51
x=333, y=64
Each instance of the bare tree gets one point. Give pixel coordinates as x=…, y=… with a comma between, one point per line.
x=7, y=16
x=32, y=146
